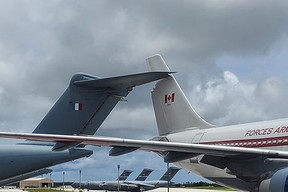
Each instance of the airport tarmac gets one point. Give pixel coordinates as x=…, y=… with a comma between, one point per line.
x=177, y=190
x=171, y=190
x=174, y=190
x=183, y=190
x=154, y=190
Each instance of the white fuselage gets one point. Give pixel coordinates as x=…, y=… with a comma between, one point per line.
x=266, y=134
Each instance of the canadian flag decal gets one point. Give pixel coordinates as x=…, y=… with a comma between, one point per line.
x=169, y=98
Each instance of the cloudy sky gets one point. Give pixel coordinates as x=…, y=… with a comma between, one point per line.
x=230, y=57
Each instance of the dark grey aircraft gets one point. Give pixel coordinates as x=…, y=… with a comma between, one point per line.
x=138, y=186
x=79, y=111
x=124, y=175
x=98, y=185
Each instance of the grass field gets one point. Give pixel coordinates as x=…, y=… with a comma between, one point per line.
x=212, y=188
x=41, y=190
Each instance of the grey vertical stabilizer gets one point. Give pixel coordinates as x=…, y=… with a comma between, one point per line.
x=144, y=174
x=169, y=174
x=124, y=175
x=87, y=102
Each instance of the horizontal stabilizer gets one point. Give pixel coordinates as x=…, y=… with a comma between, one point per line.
x=121, y=82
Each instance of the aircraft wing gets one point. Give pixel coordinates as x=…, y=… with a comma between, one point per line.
x=155, y=146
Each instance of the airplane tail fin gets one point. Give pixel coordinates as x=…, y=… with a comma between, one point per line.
x=87, y=102
x=144, y=174
x=124, y=175
x=169, y=174
x=172, y=109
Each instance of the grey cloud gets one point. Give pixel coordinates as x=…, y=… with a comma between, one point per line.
x=42, y=44
x=227, y=100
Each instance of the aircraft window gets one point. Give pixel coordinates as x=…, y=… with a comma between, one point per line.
x=285, y=140
x=264, y=142
x=274, y=141
x=236, y=144
x=259, y=143
x=280, y=141
x=254, y=143
x=249, y=143
x=269, y=141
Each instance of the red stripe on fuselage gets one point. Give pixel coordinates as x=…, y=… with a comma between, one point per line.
x=263, y=142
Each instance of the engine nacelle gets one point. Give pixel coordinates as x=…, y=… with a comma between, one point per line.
x=277, y=183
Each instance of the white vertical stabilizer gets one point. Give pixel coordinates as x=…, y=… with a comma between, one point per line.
x=172, y=109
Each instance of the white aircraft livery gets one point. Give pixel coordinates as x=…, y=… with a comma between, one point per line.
x=248, y=157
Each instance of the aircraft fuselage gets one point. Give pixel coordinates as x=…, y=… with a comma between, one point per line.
x=20, y=158
x=266, y=134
